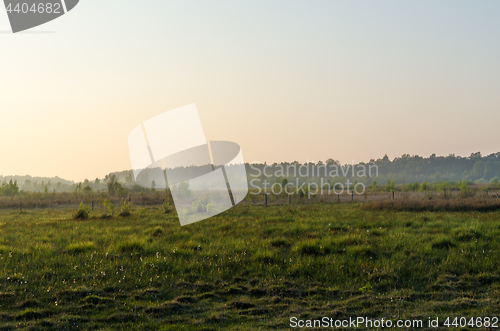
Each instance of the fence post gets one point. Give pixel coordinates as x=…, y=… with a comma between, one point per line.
x=290, y=198
x=21, y=206
x=338, y=197
x=393, y=194
x=265, y=197
x=352, y=196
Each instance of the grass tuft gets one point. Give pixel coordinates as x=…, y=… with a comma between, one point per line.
x=82, y=247
x=264, y=257
x=314, y=248
x=131, y=247
x=280, y=242
x=82, y=212
x=443, y=243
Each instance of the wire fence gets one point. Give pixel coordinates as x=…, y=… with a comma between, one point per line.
x=99, y=200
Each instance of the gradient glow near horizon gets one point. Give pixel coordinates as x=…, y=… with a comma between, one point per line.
x=294, y=80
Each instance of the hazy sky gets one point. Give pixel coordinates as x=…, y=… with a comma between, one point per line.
x=287, y=80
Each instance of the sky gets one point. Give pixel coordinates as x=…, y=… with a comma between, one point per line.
x=287, y=80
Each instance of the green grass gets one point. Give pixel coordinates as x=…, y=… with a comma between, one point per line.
x=80, y=247
x=249, y=268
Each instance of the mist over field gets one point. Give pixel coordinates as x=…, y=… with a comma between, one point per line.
x=475, y=168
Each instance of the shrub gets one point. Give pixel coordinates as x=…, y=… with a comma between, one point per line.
x=390, y=185
x=167, y=208
x=202, y=205
x=366, y=289
x=109, y=208
x=82, y=212
x=305, y=191
x=182, y=190
x=121, y=191
x=465, y=191
x=125, y=209
x=111, y=182
x=9, y=189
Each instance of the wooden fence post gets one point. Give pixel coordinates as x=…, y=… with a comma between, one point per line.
x=338, y=197
x=21, y=206
x=92, y=205
x=393, y=194
x=265, y=197
x=290, y=199
x=352, y=196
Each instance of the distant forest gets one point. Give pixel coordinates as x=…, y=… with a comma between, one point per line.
x=405, y=169
x=475, y=168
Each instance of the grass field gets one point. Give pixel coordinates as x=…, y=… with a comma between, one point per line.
x=250, y=268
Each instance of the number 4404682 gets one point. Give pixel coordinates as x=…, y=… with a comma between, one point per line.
x=38, y=8
x=488, y=322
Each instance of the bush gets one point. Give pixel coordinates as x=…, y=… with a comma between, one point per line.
x=465, y=191
x=167, y=208
x=366, y=289
x=202, y=205
x=111, y=182
x=9, y=189
x=390, y=185
x=109, y=208
x=82, y=212
x=125, y=209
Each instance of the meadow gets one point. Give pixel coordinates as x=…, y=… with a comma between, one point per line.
x=250, y=268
